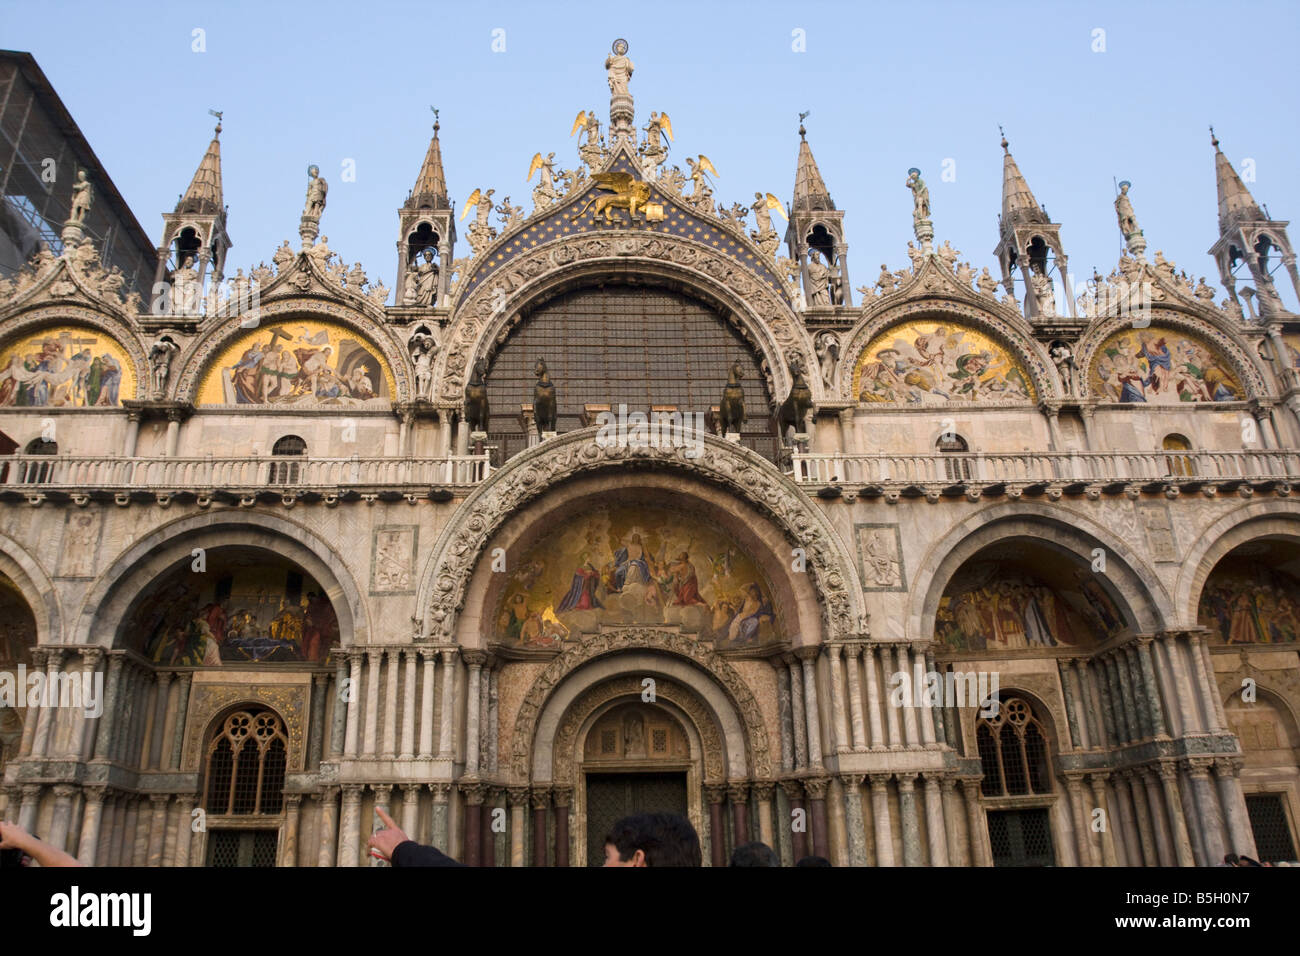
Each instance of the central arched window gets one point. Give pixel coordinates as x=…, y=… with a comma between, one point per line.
x=246, y=760
x=1177, y=465
x=637, y=346
x=955, y=469
x=286, y=472
x=38, y=473
x=1013, y=752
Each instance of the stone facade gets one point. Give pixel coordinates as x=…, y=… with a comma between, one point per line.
x=899, y=476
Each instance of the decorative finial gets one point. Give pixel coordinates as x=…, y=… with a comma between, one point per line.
x=435, y=119
x=1214, y=140
x=803, y=116
x=218, y=115
x=1004, y=139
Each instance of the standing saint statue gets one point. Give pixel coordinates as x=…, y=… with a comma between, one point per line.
x=619, y=69
x=426, y=280
x=316, y=190
x=1128, y=224
x=819, y=281
x=83, y=195
x=920, y=196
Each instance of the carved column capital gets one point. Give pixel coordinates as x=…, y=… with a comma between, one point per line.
x=808, y=652
x=1199, y=767
x=92, y=656
x=738, y=792
x=715, y=792
x=474, y=658
x=158, y=800
x=852, y=780
x=879, y=779
x=763, y=789
x=834, y=650
x=518, y=796
x=816, y=787
x=563, y=797
x=441, y=792
x=65, y=791
x=292, y=801
x=540, y=798
x=793, y=789
x=474, y=792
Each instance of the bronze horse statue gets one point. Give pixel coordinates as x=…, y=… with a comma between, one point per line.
x=794, y=410
x=543, y=399
x=476, y=399
x=732, y=410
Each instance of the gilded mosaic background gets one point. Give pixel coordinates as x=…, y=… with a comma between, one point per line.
x=1162, y=366
x=927, y=363
x=68, y=366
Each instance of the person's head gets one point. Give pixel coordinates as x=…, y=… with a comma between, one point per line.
x=814, y=861
x=653, y=839
x=1231, y=859
x=754, y=854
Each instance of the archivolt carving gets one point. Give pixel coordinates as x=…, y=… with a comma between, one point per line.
x=1227, y=343
x=213, y=340
x=630, y=686
x=623, y=639
x=208, y=700
x=734, y=467
x=1012, y=334
x=488, y=311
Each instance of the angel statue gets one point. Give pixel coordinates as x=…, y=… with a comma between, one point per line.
x=481, y=233
x=593, y=150
x=655, y=131
x=765, y=237
x=702, y=194
x=544, y=193
x=510, y=215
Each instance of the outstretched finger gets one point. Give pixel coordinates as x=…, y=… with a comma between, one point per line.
x=383, y=815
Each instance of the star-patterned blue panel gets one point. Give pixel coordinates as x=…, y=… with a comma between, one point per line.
x=679, y=220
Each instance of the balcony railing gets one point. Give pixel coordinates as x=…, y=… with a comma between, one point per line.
x=75, y=473
x=1060, y=467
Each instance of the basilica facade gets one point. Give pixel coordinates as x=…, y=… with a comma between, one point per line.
x=632, y=500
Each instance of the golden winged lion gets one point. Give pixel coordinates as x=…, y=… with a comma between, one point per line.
x=629, y=193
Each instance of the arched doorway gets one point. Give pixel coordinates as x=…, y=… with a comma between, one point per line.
x=635, y=759
x=17, y=638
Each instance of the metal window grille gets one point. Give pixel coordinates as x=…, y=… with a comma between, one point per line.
x=246, y=764
x=623, y=344
x=1268, y=822
x=1020, y=837
x=1013, y=752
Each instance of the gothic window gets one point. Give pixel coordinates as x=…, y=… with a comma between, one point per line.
x=246, y=760
x=1177, y=465
x=39, y=473
x=636, y=733
x=955, y=469
x=1013, y=752
x=286, y=472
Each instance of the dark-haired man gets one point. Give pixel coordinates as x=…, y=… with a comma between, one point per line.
x=653, y=839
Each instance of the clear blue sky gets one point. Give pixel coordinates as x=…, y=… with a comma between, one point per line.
x=889, y=86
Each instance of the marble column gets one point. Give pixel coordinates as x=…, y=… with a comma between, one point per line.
x=184, y=829
x=493, y=737
x=541, y=801
x=1212, y=686
x=158, y=743
x=392, y=675
x=884, y=830
x=799, y=723
x=61, y=821
x=1209, y=816
x=715, y=794
x=1226, y=772
x=84, y=745
x=816, y=788
x=907, y=811
x=32, y=719
x=925, y=713
x=763, y=795
x=903, y=669
x=27, y=812
x=518, y=797
x=474, y=794
x=1159, y=726
x=439, y=820
x=90, y=824
x=934, y=821
x=338, y=730
x=878, y=741
x=784, y=712
x=374, y=670
x=157, y=827
x=1132, y=785
x=1160, y=826
x=445, y=744
x=1141, y=701
x=411, y=809
x=957, y=855
x=1082, y=820
x=430, y=659
x=563, y=798
x=839, y=715
x=854, y=822
x=46, y=715
x=1206, y=689
x=1123, y=697
x=327, y=828
x=289, y=844
x=350, y=826
x=1095, y=676
x=808, y=658
x=1092, y=736
x=320, y=688
x=856, y=725
x=1174, y=810
x=183, y=682
x=1064, y=667
x=738, y=793
x=1097, y=782
x=980, y=854
x=473, y=694
x=383, y=801
x=797, y=823
x=353, y=698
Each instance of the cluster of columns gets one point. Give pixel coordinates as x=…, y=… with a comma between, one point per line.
x=343, y=829
x=408, y=677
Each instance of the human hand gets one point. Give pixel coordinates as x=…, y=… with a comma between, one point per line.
x=382, y=843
